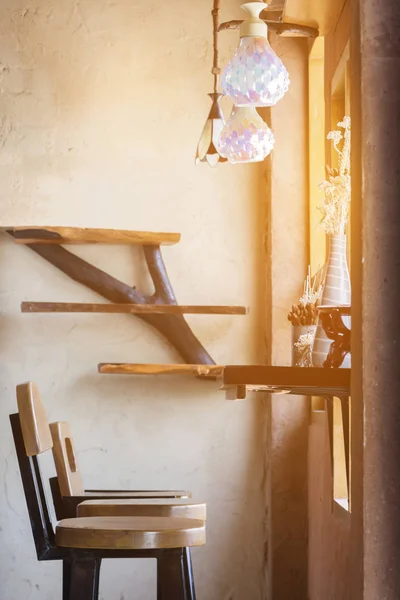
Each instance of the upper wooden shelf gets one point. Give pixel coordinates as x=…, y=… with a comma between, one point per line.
x=137, y=309
x=288, y=380
x=78, y=235
x=172, y=369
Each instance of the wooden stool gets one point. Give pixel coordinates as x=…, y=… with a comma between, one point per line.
x=82, y=543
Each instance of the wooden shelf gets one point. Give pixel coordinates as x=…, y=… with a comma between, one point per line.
x=78, y=235
x=137, y=309
x=287, y=380
x=148, y=369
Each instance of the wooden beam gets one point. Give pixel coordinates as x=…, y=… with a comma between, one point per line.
x=79, y=235
x=321, y=14
x=138, y=309
x=235, y=392
x=149, y=369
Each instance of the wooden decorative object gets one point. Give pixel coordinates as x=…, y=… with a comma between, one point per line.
x=134, y=309
x=335, y=329
x=173, y=327
x=147, y=369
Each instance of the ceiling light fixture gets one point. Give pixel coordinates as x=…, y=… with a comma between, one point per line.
x=245, y=137
x=255, y=76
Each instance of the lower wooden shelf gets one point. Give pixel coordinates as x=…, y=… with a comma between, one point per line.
x=157, y=369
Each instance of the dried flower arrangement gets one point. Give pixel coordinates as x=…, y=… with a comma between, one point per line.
x=337, y=187
x=305, y=311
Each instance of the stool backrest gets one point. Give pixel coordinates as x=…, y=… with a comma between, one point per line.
x=32, y=436
x=68, y=474
x=34, y=423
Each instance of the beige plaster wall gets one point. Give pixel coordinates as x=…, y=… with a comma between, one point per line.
x=101, y=107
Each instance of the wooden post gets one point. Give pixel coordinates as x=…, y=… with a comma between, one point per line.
x=380, y=110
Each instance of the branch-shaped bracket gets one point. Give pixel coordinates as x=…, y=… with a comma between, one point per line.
x=173, y=327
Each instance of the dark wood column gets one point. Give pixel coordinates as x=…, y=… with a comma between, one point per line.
x=380, y=145
x=355, y=591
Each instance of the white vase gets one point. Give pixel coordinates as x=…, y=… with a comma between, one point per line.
x=336, y=292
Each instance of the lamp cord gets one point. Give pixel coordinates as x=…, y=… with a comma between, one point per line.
x=215, y=68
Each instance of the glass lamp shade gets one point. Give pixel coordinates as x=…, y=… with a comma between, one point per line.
x=207, y=149
x=255, y=76
x=245, y=137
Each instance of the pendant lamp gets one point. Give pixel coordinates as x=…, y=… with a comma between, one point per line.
x=245, y=137
x=207, y=149
x=255, y=76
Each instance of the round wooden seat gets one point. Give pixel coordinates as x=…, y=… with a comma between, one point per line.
x=130, y=533
x=156, y=507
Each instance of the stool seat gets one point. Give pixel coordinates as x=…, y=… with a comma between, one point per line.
x=156, y=507
x=130, y=533
x=139, y=493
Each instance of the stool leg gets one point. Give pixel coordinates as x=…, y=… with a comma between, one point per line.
x=97, y=579
x=66, y=579
x=189, y=579
x=84, y=581
x=171, y=579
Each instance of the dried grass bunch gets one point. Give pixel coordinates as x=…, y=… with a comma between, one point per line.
x=305, y=311
x=337, y=187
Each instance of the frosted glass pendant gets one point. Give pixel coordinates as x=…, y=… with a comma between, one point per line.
x=255, y=76
x=245, y=137
x=207, y=149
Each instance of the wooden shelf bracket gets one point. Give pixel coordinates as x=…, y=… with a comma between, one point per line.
x=160, y=310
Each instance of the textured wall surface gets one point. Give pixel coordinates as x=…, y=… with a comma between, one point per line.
x=330, y=572
x=289, y=257
x=101, y=107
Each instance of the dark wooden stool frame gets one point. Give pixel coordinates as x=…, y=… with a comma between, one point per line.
x=81, y=567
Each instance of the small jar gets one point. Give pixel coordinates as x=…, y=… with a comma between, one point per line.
x=302, y=345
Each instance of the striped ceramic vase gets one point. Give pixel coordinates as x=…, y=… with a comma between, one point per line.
x=336, y=291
